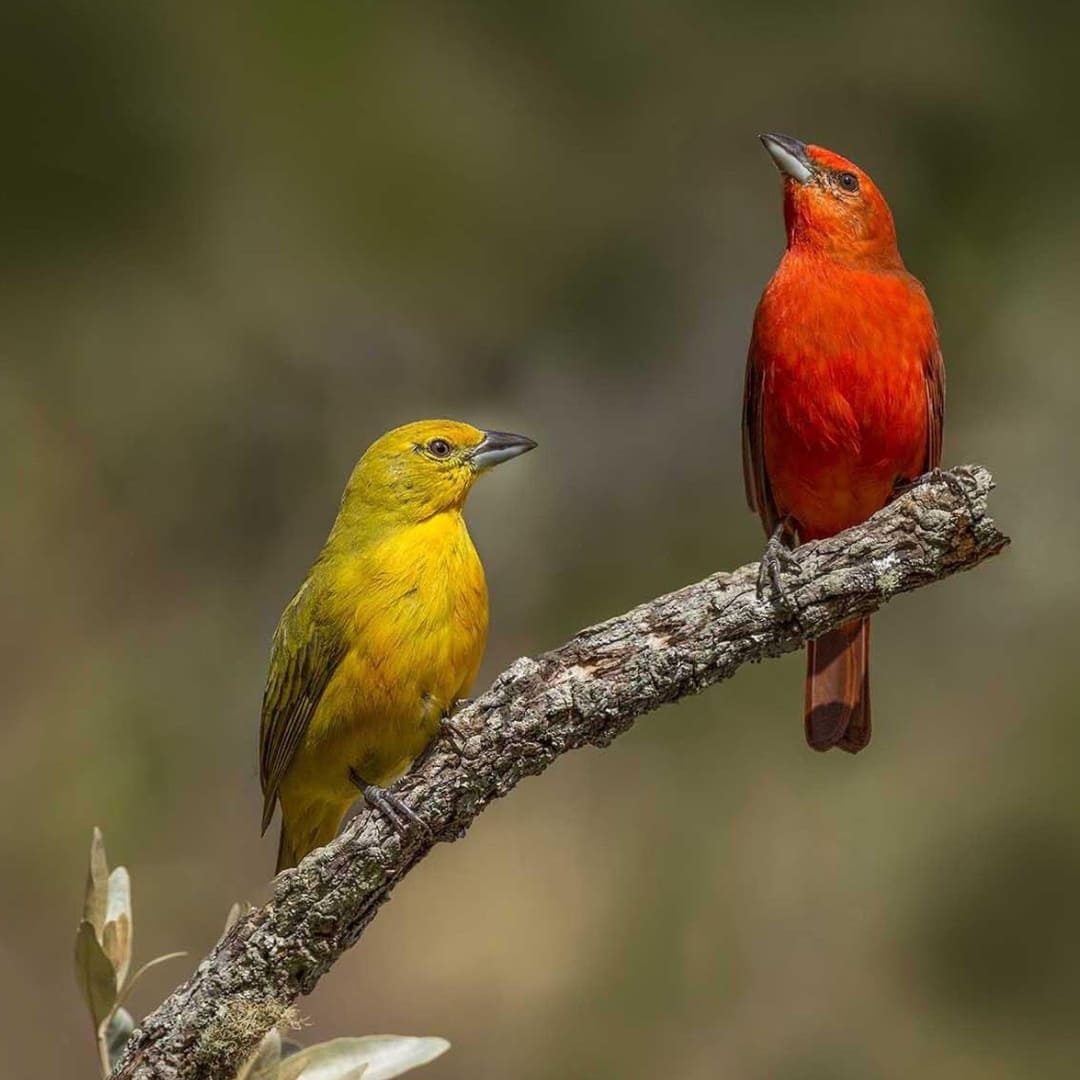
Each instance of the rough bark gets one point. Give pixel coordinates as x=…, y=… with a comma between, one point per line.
x=585, y=692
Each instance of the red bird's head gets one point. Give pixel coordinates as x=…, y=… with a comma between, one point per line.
x=831, y=206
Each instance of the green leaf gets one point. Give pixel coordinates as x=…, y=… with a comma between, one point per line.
x=119, y=901
x=94, y=973
x=97, y=884
x=116, y=934
x=263, y=1064
x=121, y=1025
x=237, y=911
x=377, y=1057
x=320, y=1062
x=116, y=943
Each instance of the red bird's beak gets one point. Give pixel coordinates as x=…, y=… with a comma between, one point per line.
x=790, y=156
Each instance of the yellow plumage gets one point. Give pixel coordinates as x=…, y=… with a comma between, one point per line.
x=384, y=636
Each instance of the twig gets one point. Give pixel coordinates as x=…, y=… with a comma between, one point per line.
x=586, y=692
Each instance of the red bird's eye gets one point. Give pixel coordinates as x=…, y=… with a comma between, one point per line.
x=848, y=181
x=439, y=448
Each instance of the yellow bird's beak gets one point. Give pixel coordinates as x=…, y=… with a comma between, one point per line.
x=497, y=447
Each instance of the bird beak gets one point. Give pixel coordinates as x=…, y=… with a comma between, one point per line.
x=790, y=156
x=497, y=447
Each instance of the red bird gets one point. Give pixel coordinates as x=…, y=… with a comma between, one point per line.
x=844, y=399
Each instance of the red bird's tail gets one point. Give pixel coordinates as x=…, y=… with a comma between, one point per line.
x=838, y=688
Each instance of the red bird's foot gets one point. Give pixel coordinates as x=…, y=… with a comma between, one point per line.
x=935, y=476
x=403, y=819
x=775, y=560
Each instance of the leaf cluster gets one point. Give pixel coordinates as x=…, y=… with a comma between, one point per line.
x=103, y=961
x=103, y=952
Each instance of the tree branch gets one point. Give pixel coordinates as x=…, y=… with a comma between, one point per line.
x=586, y=692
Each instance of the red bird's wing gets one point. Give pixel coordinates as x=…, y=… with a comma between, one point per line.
x=935, y=406
x=758, y=491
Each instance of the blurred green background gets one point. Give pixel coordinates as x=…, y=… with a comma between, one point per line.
x=242, y=240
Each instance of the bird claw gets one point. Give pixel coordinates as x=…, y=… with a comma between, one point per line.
x=454, y=735
x=402, y=818
x=937, y=475
x=775, y=560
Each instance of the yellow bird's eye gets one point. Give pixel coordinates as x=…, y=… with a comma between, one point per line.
x=439, y=448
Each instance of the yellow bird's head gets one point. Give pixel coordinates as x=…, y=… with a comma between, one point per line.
x=425, y=468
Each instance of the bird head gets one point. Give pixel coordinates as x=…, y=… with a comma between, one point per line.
x=426, y=468
x=831, y=206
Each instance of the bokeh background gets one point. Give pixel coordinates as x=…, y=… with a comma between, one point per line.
x=242, y=240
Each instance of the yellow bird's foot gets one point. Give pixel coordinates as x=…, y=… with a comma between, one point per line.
x=403, y=819
x=448, y=728
x=453, y=734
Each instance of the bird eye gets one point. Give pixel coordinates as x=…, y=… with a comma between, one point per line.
x=848, y=181
x=439, y=448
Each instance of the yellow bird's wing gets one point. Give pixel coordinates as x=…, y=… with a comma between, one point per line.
x=304, y=654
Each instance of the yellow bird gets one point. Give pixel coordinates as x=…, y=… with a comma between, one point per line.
x=383, y=637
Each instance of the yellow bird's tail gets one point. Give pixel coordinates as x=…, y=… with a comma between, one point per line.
x=315, y=825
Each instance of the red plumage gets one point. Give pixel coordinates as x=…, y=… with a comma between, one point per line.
x=844, y=394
